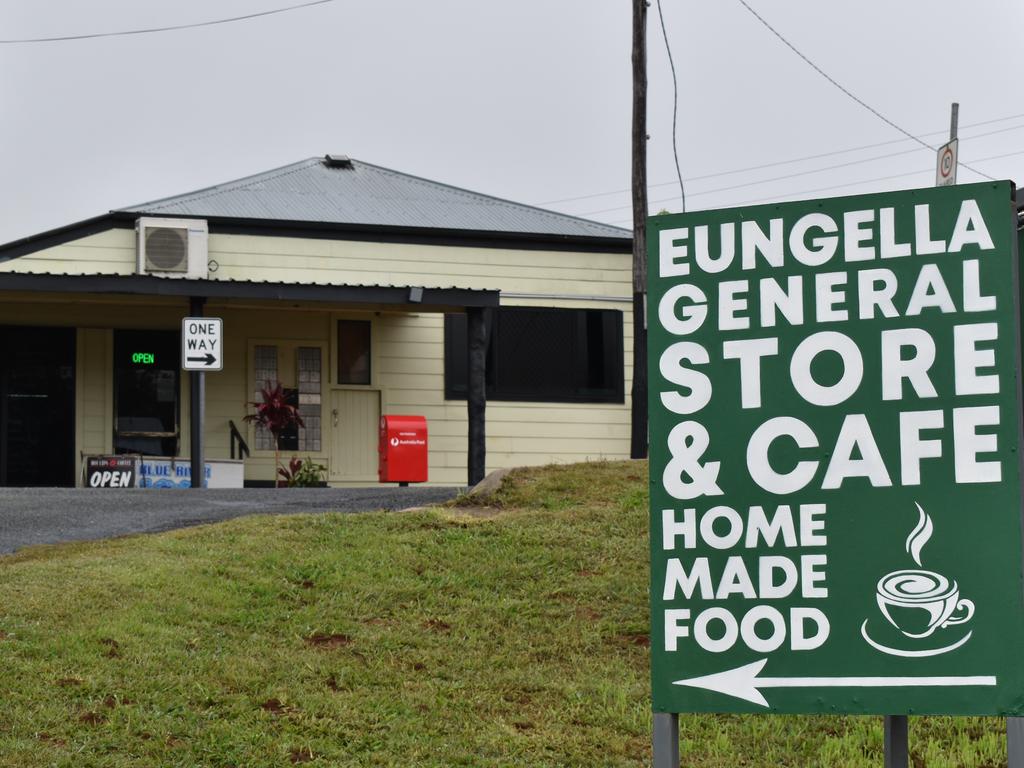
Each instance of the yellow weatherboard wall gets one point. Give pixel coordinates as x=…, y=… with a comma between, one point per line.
x=408, y=347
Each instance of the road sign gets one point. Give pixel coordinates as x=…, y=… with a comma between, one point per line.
x=202, y=344
x=835, y=471
x=945, y=164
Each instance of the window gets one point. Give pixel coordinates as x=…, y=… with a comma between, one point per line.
x=265, y=356
x=306, y=395
x=542, y=354
x=353, y=351
x=146, y=376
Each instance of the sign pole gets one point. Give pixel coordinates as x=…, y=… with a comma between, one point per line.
x=1014, y=742
x=946, y=155
x=896, y=752
x=1014, y=725
x=665, y=740
x=198, y=407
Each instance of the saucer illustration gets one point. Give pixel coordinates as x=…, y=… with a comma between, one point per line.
x=916, y=605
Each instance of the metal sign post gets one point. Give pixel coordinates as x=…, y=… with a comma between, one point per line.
x=202, y=350
x=946, y=158
x=835, y=491
x=665, y=740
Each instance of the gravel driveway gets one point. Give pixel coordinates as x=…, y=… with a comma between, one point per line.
x=54, y=515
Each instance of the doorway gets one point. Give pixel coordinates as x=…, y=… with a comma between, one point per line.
x=37, y=406
x=146, y=392
x=355, y=414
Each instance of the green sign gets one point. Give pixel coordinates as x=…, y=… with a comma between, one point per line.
x=835, y=426
x=143, y=358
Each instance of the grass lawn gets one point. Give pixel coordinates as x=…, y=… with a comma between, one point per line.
x=508, y=636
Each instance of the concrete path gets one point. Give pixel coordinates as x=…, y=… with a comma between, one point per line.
x=54, y=515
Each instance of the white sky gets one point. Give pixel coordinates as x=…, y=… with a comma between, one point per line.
x=528, y=100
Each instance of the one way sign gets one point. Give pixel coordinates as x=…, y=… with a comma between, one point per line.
x=202, y=344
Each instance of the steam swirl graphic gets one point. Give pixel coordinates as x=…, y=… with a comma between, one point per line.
x=920, y=535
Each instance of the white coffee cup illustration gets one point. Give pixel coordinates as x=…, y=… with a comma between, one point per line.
x=917, y=602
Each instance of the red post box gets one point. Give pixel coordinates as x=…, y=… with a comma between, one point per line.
x=403, y=449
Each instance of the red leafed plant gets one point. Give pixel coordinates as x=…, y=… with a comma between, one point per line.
x=275, y=414
x=302, y=473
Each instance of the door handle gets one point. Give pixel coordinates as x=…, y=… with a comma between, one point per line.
x=334, y=415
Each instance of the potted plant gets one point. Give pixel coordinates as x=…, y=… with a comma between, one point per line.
x=275, y=414
x=303, y=473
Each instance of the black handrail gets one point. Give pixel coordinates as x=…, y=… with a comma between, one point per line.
x=243, y=447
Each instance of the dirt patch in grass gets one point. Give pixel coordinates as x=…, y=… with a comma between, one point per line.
x=476, y=511
x=333, y=684
x=92, y=718
x=274, y=707
x=113, y=648
x=636, y=638
x=325, y=640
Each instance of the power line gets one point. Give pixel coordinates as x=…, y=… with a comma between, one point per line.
x=867, y=181
x=778, y=198
x=832, y=80
x=675, y=107
x=768, y=180
x=776, y=163
x=175, y=27
x=799, y=173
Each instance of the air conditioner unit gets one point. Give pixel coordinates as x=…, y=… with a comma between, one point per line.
x=172, y=247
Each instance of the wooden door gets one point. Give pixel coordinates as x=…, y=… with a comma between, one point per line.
x=355, y=415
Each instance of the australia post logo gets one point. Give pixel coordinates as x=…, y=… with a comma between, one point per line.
x=407, y=438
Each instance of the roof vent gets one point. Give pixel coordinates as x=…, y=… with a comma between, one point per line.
x=337, y=161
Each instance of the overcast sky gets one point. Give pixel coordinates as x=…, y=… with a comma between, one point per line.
x=528, y=100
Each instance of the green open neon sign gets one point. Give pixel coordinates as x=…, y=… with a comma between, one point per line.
x=143, y=358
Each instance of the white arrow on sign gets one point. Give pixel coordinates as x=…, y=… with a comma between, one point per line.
x=744, y=683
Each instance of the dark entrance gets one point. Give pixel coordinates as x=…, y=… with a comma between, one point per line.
x=37, y=406
x=146, y=387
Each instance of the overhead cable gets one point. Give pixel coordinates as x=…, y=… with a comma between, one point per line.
x=867, y=181
x=832, y=80
x=675, y=108
x=150, y=30
x=779, y=197
x=776, y=163
x=809, y=172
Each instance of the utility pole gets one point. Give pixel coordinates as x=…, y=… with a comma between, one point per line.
x=638, y=433
x=665, y=732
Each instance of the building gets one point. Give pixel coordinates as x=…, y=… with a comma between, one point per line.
x=351, y=284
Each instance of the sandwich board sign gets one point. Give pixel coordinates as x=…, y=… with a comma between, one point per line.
x=835, y=441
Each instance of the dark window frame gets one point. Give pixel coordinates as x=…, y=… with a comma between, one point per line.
x=612, y=356
x=123, y=337
x=369, y=353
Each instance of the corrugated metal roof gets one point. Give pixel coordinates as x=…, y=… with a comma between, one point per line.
x=368, y=195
